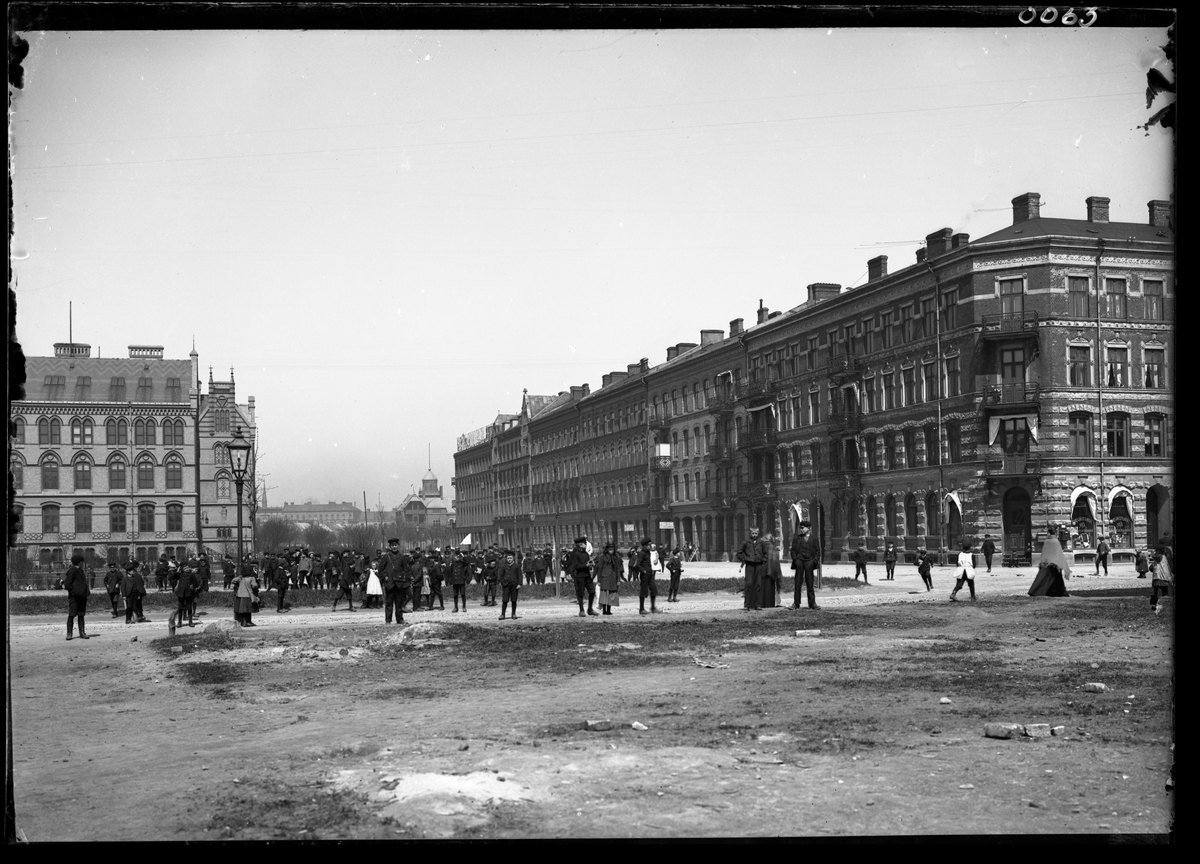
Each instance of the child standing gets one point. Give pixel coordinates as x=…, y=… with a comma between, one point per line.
x=966, y=571
x=675, y=568
x=925, y=568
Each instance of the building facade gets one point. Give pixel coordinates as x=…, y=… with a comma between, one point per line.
x=990, y=387
x=107, y=457
x=331, y=513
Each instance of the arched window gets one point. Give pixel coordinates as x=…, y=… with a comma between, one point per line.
x=17, y=469
x=910, y=515
x=116, y=473
x=81, y=432
x=116, y=432
x=50, y=472
x=83, y=473
x=145, y=473
x=49, y=431
x=19, y=430
x=852, y=520
x=172, y=433
x=83, y=518
x=146, y=518
x=50, y=519
x=687, y=486
x=933, y=522
x=116, y=519
x=174, y=473
x=839, y=519
x=872, y=517
x=891, y=516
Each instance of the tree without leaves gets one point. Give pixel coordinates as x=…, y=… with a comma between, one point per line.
x=318, y=538
x=273, y=534
x=360, y=536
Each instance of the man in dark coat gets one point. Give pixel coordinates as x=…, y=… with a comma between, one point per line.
x=1102, y=556
x=579, y=565
x=925, y=567
x=675, y=568
x=806, y=557
x=204, y=569
x=228, y=571
x=76, y=584
x=859, y=557
x=437, y=574
x=491, y=577
x=644, y=564
x=112, y=584
x=280, y=578
x=161, y=571
x=394, y=578
x=457, y=577
x=508, y=573
x=185, y=594
x=133, y=589
x=345, y=581
x=753, y=555
x=988, y=548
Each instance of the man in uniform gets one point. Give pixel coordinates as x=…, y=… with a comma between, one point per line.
x=491, y=576
x=753, y=555
x=345, y=581
x=394, y=578
x=437, y=574
x=508, y=573
x=185, y=596
x=133, y=589
x=806, y=557
x=228, y=570
x=457, y=577
x=579, y=565
x=643, y=564
x=112, y=584
x=75, y=581
x=281, y=579
x=988, y=548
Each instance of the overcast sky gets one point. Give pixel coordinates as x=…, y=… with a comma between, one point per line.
x=390, y=234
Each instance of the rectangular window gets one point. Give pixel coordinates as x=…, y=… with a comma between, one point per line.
x=1114, y=294
x=1154, y=377
x=116, y=390
x=146, y=518
x=848, y=339
x=1012, y=297
x=885, y=330
x=954, y=441
x=796, y=354
x=814, y=408
x=932, y=450
x=49, y=474
x=1116, y=372
x=174, y=475
x=50, y=520
x=889, y=391
x=1080, y=432
x=929, y=371
x=56, y=386
x=889, y=451
x=145, y=390
x=906, y=324
x=174, y=517
x=145, y=475
x=810, y=355
x=83, y=519
x=910, y=386
x=952, y=377
x=1079, y=297
x=83, y=474
x=869, y=395
x=950, y=309
x=174, y=391
x=928, y=318
x=83, y=388
x=1152, y=300
x=831, y=339
x=116, y=475
x=797, y=410
x=116, y=520
x=868, y=336
x=872, y=457
x=1155, y=425
x=1117, y=435
x=1012, y=365
x=910, y=448
x=1079, y=370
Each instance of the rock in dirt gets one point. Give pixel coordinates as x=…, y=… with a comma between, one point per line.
x=1057, y=731
x=1003, y=730
x=640, y=727
x=134, y=639
x=176, y=649
x=945, y=700
x=1037, y=730
x=1095, y=687
x=221, y=625
x=597, y=725
x=808, y=632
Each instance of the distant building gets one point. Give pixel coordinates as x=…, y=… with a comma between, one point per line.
x=427, y=508
x=107, y=458
x=330, y=514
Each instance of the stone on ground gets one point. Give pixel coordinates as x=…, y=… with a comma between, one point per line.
x=1003, y=730
x=221, y=625
x=1037, y=730
x=1095, y=687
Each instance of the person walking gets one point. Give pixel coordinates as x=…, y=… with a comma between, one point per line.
x=1102, y=556
x=925, y=567
x=889, y=561
x=1161, y=574
x=753, y=555
x=610, y=571
x=508, y=572
x=988, y=548
x=185, y=595
x=245, y=590
x=806, y=558
x=76, y=583
x=457, y=577
x=859, y=557
x=645, y=568
x=133, y=589
x=112, y=584
x=580, y=568
x=675, y=568
x=965, y=570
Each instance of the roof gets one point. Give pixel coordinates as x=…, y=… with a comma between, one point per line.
x=102, y=371
x=429, y=475
x=1044, y=226
x=535, y=405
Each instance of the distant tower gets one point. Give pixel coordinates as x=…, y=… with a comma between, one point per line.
x=429, y=486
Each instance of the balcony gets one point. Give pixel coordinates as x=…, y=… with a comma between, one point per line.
x=756, y=489
x=721, y=404
x=660, y=463
x=660, y=505
x=660, y=422
x=756, y=392
x=1008, y=396
x=1013, y=465
x=842, y=365
x=757, y=439
x=845, y=422
x=844, y=479
x=721, y=453
x=1009, y=324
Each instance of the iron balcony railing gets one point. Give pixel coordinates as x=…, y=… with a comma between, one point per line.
x=1013, y=465
x=842, y=422
x=660, y=463
x=756, y=489
x=757, y=439
x=721, y=452
x=1009, y=322
x=1011, y=394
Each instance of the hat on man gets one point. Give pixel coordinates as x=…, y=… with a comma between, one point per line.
x=645, y=541
x=804, y=525
x=580, y=539
x=394, y=541
x=77, y=558
x=610, y=545
x=131, y=564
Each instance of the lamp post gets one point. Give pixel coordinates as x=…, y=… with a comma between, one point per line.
x=239, y=459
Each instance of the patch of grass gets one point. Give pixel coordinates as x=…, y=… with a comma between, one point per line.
x=259, y=808
x=402, y=693
x=215, y=672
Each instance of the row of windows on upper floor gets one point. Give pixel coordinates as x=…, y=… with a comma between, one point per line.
x=148, y=476
x=56, y=389
x=116, y=432
x=118, y=521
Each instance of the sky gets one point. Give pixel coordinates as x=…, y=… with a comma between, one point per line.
x=389, y=235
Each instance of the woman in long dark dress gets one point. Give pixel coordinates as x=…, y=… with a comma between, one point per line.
x=773, y=579
x=1053, y=570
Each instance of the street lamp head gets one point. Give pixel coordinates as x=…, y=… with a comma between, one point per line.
x=239, y=456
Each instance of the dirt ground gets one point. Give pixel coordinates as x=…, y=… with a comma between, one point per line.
x=320, y=726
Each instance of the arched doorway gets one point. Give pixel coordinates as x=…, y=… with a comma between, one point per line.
x=953, y=525
x=1015, y=512
x=1158, y=513
x=1120, y=523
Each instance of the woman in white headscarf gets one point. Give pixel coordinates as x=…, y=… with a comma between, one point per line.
x=1053, y=569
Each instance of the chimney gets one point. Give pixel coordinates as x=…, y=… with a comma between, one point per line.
x=644, y=365
x=605, y=380
x=633, y=369
x=1160, y=214
x=735, y=327
x=683, y=347
x=819, y=291
x=1097, y=210
x=1027, y=206
x=578, y=393
x=672, y=353
x=877, y=268
x=711, y=337
x=617, y=377
x=774, y=315
x=921, y=255
x=938, y=243
x=762, y=312
x=959, y=240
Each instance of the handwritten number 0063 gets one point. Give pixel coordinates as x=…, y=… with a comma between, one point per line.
x=1050, y=15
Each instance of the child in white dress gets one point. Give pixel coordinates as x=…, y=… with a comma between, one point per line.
x=965, y=570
